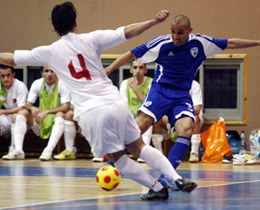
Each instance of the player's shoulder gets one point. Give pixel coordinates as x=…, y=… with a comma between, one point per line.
x=158, y=39
x=37, y=82
x=19, y=83
x=200, y=37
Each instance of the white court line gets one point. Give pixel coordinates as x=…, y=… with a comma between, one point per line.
x=107, y=196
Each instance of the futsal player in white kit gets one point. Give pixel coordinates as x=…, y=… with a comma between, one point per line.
x=102, y=114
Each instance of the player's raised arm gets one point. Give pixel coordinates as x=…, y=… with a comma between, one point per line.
x=122, y=60
x=135, y=29
x=7, y=59
x=235, y=43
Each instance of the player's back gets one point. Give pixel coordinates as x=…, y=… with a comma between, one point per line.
x=76, y=60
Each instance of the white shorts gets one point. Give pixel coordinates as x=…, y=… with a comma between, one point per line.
x=108, y=128
x=5, y=124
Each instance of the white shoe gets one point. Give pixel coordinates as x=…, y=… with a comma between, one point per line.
x=98, y=160
x=46, y=155
x=243, y=160
x=14, y=155
x=139, y=160
x=194, y=157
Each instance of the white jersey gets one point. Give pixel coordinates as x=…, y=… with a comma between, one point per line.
x=196, y=95
x=35, y=90
x=16, y=95
x=76, y=59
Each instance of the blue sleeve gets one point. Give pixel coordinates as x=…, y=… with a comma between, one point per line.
x=140, y=51
x=149, y=51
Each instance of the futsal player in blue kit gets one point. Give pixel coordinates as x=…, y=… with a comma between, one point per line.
x=178, y=56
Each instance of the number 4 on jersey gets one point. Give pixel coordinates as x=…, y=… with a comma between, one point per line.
x=81, y=74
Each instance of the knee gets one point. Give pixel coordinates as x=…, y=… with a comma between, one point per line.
x=144, y=122
x=185, y=128
x=69, y=115
x=23, y=112
x=60, y=114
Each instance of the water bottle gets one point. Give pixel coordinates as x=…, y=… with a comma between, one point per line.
x=242, y=146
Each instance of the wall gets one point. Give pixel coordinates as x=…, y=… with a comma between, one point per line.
x=26, y=24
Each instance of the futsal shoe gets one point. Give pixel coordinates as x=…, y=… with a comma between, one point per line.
x=46, y=155
x=167, y=183
x=14, y=155
x=139, y=160
x=65, y=155
x=185, y=185
x=162, y=195
x=194, y=158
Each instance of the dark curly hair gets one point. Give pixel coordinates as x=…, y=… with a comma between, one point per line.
x=6, y=67
x=63, y=17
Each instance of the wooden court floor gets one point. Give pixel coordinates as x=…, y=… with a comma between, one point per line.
x=32, y=184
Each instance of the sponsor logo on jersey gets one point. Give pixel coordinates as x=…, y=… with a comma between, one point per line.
x=148, y=103
x=170, y=53
x=194, y=52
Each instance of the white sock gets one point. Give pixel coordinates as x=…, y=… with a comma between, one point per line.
x=12, y=135
x=56, y=133
x=159, y=162
x=69, y=135
x=148, y=135
x=136, y=172
x=20, y=129
x=195, y=143
x=157, y=141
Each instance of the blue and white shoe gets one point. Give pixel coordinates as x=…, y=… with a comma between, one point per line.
x=167, y=183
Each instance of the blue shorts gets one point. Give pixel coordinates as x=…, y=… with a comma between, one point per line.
x=164, y=100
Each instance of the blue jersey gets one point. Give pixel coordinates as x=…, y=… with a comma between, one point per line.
x=177, y=65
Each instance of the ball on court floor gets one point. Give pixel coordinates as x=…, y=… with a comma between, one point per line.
x=108, y=177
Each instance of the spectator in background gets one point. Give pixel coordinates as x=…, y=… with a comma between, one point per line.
x=47, y=121
x=135, y=89
x=196, y=97
x=13, y=95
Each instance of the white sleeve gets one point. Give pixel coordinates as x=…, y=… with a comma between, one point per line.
x=123, y=89
x=105, y=39
x=34, y=91
x=195, y=93
x=39, y=56
x=64, y=93
x=21, y=94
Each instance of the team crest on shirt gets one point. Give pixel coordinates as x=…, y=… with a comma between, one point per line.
x=194, y=52
x=148, y=103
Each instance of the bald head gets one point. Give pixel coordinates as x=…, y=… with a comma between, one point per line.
x=181, y=19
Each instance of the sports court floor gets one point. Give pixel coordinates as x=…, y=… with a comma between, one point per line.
x=32, y=184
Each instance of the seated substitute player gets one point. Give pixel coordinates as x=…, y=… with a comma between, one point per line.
x=47, y=121
x=69, y=137
x=178, y=56
x=13, y=98
x=196, y=97
x=135, y=89
x=76, y=59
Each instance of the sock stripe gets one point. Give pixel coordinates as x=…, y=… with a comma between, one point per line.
x=183, y=140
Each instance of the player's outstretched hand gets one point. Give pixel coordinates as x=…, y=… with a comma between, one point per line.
x=161, y=16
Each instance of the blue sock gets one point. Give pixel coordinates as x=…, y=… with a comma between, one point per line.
x=178, y=150
x=109, y=162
